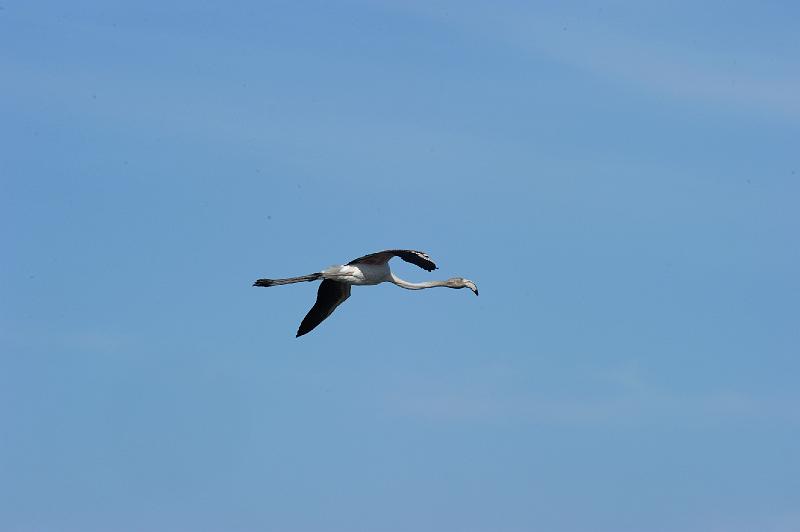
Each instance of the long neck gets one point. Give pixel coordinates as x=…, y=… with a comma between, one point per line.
x=415, y=286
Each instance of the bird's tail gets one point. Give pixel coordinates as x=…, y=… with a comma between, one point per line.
x=290, y=280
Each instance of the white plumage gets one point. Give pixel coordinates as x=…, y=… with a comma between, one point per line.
x=370, y=269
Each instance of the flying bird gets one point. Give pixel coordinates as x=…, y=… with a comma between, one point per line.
x=367, y=270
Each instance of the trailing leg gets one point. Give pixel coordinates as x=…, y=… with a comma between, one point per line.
x=289, y=280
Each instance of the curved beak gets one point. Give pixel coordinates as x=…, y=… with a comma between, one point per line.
x=471, y=286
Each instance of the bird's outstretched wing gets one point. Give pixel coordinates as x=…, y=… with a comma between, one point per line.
x=330, y=295
x=409, y=255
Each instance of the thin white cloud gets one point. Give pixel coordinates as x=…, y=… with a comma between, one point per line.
x=667, y=67
x=668, y=70
x=616, y=395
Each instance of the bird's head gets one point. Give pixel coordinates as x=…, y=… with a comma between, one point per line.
x=460, y=282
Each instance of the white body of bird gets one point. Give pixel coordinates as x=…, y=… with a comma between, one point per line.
x=358, y=274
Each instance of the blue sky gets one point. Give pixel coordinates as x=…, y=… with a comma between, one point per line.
x=620, y=179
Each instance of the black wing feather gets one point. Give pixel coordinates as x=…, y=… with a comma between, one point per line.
x=418, y=258
x=330, y=295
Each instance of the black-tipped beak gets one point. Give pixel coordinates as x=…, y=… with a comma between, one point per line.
x=472, y=286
